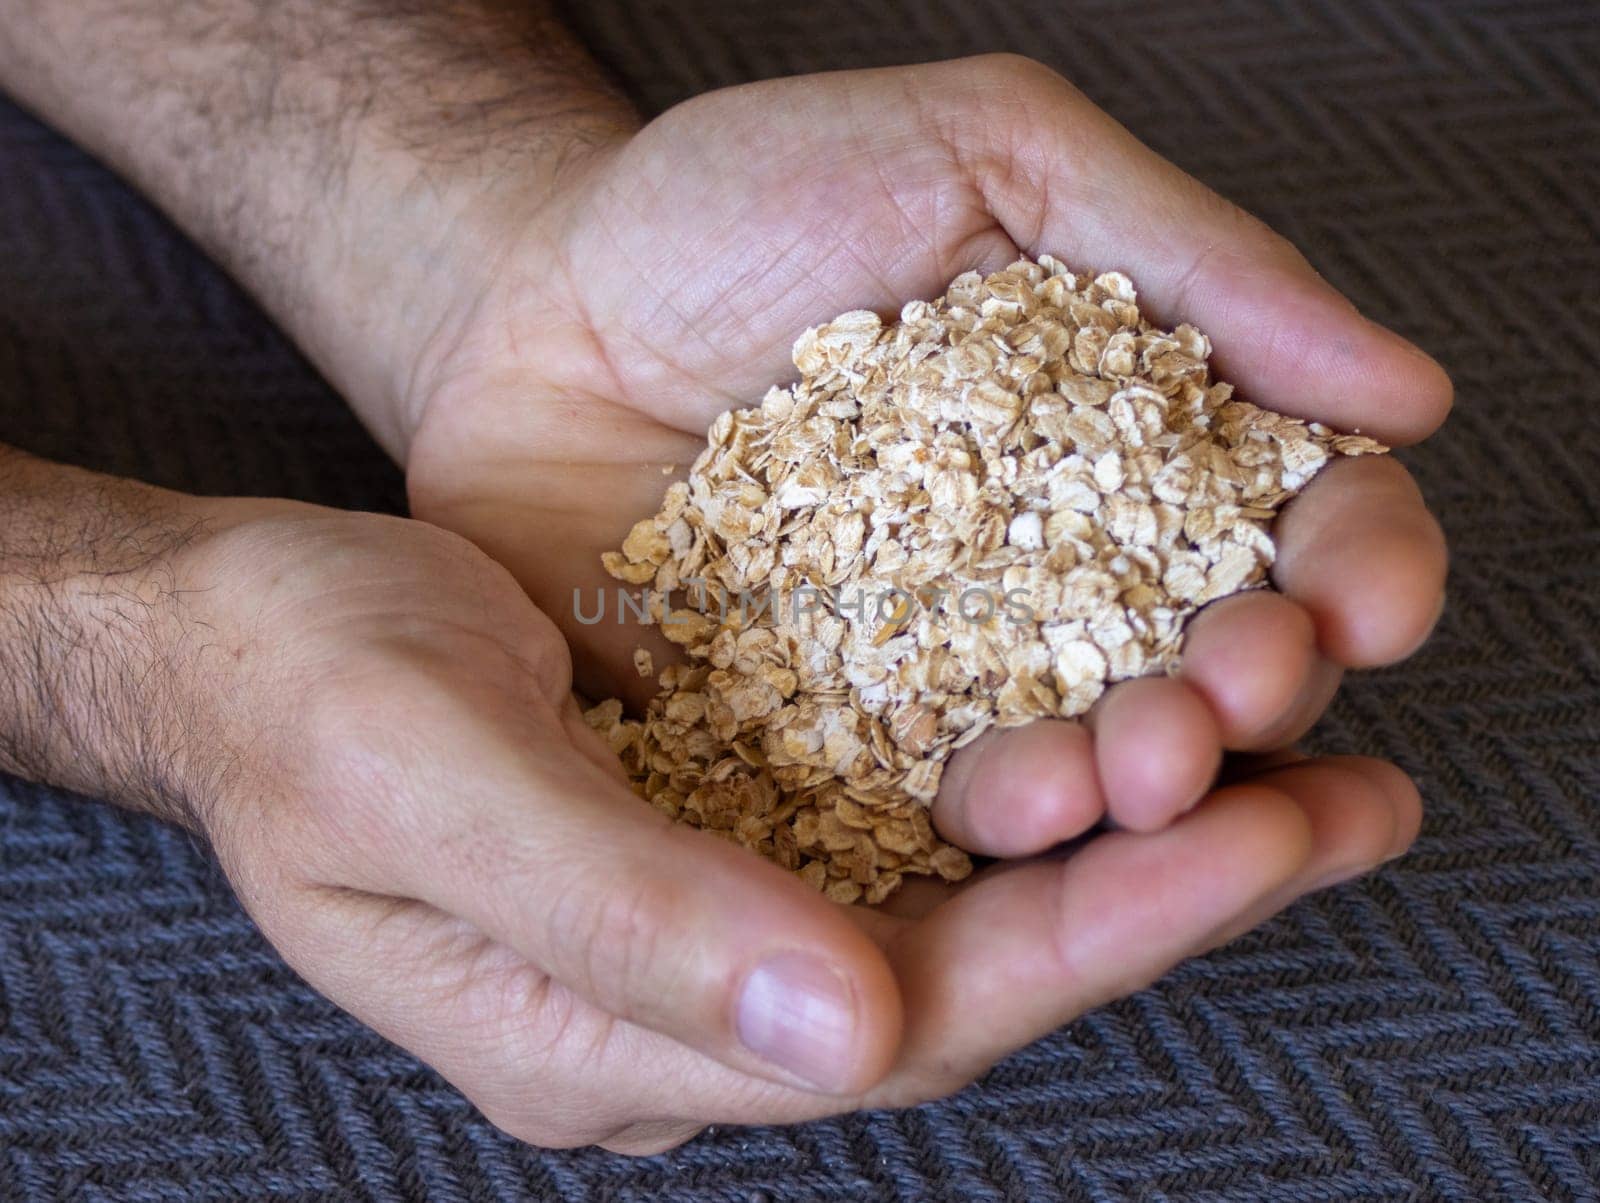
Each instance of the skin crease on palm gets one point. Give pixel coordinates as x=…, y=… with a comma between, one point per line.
x=450, y=854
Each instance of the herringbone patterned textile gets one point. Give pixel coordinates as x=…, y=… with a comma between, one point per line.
x=1432, y=1032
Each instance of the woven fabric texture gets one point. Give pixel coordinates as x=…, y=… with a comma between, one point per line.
x=1432, y=1032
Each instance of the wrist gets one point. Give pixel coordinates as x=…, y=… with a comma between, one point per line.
x=460, y=299
x=402, y=248
x=114, y=674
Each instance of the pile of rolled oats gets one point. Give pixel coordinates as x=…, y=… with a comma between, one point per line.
x=979, y=515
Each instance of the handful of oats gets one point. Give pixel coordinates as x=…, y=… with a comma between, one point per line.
x=979, y=515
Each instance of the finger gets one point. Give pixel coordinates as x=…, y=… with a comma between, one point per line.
x=1099, y=926
x=556, y=1072
x=1362, y=554
x=491, y=1023
x=1156, y=750
x=1021, y=790
x=1153, y=753
x=1316, y=693
x=1037, y=945
x=684, y=934
x=540, y=1063
x=514, y=830
x=1250, y=657
x=1063, y=177
x=1363, y=812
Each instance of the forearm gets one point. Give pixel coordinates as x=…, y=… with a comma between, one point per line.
x=340, y=157
x=109, y=678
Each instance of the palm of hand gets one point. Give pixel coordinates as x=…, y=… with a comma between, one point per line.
x=549, y=426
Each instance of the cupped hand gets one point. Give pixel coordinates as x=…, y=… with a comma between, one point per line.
x=664, y=281
x=667, y=276
x=420, y=821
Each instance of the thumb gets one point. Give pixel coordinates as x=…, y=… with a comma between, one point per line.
x=1063, y=176
x=525, y=836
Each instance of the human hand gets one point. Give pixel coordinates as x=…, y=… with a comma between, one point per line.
x=374, y=727
x=666, y=281
x=666, y=276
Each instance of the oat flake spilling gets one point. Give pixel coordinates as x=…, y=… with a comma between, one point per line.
x=1003, y=502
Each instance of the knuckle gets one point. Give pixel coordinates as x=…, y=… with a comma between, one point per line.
x=1251, y=234
x=989, y=91
x=1015, y=102
x=348, y=744
x=500, y=997
x=1245, y=241
x=1266, y=242
x=1009, y=70
x=616, y=941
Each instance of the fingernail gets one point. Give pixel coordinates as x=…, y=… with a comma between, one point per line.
x=800, y=1014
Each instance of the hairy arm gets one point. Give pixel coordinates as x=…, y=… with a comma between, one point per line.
x=106, y=670
x=334, y=154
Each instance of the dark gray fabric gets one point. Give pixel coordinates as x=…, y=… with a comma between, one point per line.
x=1432, y=1032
